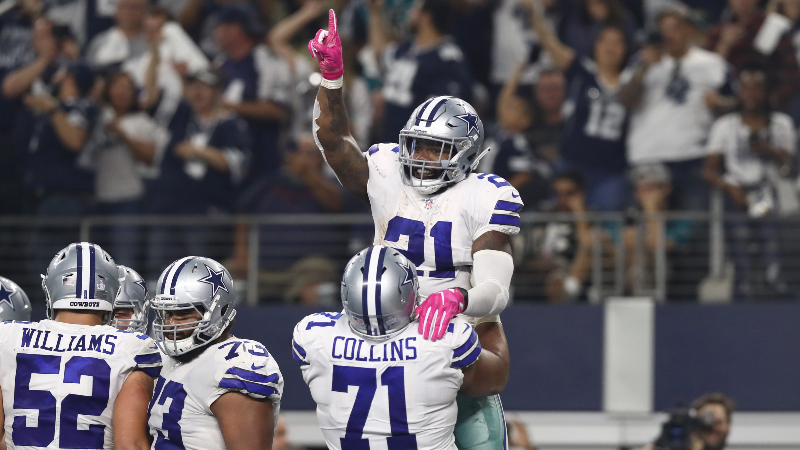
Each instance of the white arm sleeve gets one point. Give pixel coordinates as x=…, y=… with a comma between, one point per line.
x=492, y=271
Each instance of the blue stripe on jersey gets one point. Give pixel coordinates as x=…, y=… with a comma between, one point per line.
x=508, y=206
x=152, y=372
x=79, y=274
x=501, y=219
x=469, y=359
x=433, y=111
x=364, y=303
x=166, y=275
x=396, y=149
x=175, y=277
x=451, y=328
x=253, y=376
x=378, y=275
x=373, y=149
x=92, y=283
x=147, y=359
x=242, y=385
x=300, y=350
x=467, y=345
x=297, y=358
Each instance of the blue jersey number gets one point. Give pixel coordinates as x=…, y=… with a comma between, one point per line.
x=71, y=406
x=170, y=420
x=365, y=380
x=441, y=232
x=326, y=323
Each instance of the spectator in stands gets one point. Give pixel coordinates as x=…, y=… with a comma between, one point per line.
x=200, y=17
x=757, y=146
x=670, y=118
x=125, y=40
x=585, y=22
x=204, y=162
x=641, y=240
x=56, y=184
x=548, y=94
x=564, y=248
x=177, y=54
x=125, y=147
x=301, y=186
x=513, y=156
x=593, y=141
x=735, y=40
x=428, y=65
x=258, y=83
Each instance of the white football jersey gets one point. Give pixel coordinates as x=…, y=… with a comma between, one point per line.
x=180, y=411
x=394, y=394
x=60, y=381
x=436, y=232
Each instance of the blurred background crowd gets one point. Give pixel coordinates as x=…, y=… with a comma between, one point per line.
x=618, y=121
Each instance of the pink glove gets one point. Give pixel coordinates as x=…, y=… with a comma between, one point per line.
x=327, y=48
x=436, y=312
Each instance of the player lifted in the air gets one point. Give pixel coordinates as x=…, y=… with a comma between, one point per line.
x=215, y=390
x=453, y=224
x=376, y=382
x=62, y=378
x=130, y=307
x=14, y=303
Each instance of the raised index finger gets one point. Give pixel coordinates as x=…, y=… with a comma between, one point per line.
x=332, y=30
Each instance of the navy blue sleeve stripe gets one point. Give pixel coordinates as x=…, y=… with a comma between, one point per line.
x=300, y=350
x=374, y=148
x=147, y=359
x=258, y=389
x=467, y=345
x=508, y=206
x=501, y=219
x=298, y=359
x=152, y=372
x=471, y=358
x=253, y=376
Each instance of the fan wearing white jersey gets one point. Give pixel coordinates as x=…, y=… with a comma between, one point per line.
x=215, y=390
x=377, y=383
x=427, y=203
x=62, y=378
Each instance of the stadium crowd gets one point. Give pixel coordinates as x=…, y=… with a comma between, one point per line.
x=204, y=107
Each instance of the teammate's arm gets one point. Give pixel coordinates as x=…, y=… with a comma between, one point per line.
x=489, y=374
x=246, y=423
x=331, y=127
x=129, y=419
x=2, y=420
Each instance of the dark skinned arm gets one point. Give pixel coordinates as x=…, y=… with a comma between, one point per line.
x=245, y=423
x=340, y=149
x=129, y=418
x=492, y=240
x=489, y=374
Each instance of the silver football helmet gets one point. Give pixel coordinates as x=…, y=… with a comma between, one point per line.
x=199, y=284
x=132, y=295
x=14, y=303
x=379, y=292
x=449, y=132
x=81, y=276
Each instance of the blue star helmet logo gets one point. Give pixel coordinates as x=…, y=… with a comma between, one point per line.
x=141, y=284
x=409, y=273
x=471, y=120
x=214, y=278
x=5, y=296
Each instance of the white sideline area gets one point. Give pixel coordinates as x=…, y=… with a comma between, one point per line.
x=600, y=430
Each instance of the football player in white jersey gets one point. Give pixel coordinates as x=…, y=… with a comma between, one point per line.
x=14, y=303
x=377, y=383
x=61, y=378
x=131, y=307
x=453, y=224
x=215, y=390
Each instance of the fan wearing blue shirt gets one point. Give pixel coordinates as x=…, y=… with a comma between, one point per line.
x=593, y=141
x=258, y=83
x=200, y=170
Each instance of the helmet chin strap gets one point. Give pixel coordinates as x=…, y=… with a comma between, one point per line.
x=477, y=161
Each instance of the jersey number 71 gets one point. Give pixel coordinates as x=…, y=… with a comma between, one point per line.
x=365, y=380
